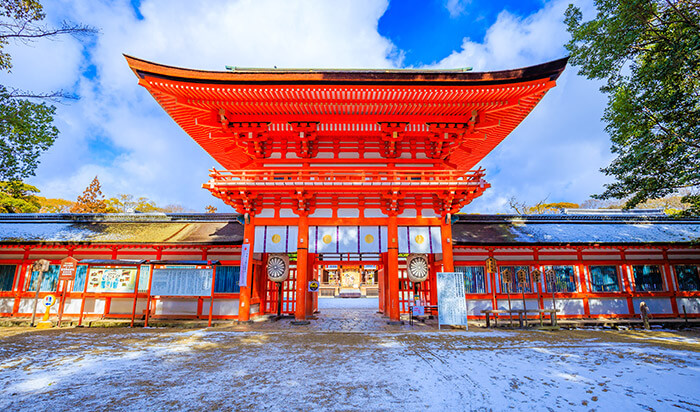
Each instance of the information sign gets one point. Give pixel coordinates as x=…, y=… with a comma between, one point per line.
x=68, y=267
x=182, y=282
x=245, y=259
x=49, y=300
x=452, y=303
x=111, y=279
x=313, y=285
x=418, y=310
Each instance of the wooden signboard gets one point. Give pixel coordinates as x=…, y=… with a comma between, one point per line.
x=452, y=302
x=182, y=281
x=69, y=265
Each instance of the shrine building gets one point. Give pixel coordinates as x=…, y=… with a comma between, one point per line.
x=353, y=179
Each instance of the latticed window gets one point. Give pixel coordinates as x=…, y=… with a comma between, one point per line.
x=688, y=277
x=604, y=279
x=564, y=279
x=80, y=278
x=227, y=279
x=7, y=277
x=474, y=280
x=49, y=282
x=514, y=284
x=647, y=278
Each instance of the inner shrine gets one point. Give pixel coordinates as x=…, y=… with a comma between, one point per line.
x=347, y=177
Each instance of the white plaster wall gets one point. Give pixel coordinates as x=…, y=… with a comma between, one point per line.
x=566, y=306
x=655, y=305
x=611, y=306
x=475, y=306
x=6, y=305
x=517, y=303
x=176, y=307
x=94, y=306
x=125, y=306
x=692, y=305
x=222, y=307
x=26, y=305
x=287, y=213
x=348, y=212
x=322, y=213
x=72, y=306
x=374, y=213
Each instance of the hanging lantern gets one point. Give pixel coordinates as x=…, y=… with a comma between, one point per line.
x=278, y=267
x=522, y=276
x=550, y=275
x=417, y=267
x=491, y=265
x=536, y=275
x=505, y=275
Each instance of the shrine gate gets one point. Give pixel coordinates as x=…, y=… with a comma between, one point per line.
x=333, y=165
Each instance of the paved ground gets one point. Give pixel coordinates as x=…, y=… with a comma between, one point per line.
x=331, y=365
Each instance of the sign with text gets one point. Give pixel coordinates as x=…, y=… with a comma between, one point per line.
x=452, y=303
x=111, y=279
x=245, y=259
x=314, y=285
x=68, y=267
x=179, y=281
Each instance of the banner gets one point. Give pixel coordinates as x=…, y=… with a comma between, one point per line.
x=111, y=279
x=452, y=302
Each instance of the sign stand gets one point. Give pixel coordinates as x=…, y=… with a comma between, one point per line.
x=452, y=300
x=69, y=266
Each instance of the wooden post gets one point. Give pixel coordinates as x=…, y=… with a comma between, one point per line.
x=211, y=301
x=302, y=267
x=447, y=257
x=36, y=295
x=148, y=299
x=393, y=268
x=136, y=294
x=244, y=296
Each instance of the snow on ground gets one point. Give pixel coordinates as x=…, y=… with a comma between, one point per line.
x=169, y=369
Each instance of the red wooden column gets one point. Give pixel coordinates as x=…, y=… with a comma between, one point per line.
x=302, y=267
x=448, y=264
x=244, y=296
x=393, y=268
x=669, y=281
x=583, y=279
x=626, y=281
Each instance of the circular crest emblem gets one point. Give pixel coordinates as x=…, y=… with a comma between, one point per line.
x=417, y=268
x=276, y=238
x=327, y=239
x=369, y=239
x=278, y=267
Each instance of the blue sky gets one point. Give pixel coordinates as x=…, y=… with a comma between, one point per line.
x=118, y=132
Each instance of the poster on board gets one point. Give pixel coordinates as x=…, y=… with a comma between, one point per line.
x=182, y=281
x=111, y=279
x=452, y=302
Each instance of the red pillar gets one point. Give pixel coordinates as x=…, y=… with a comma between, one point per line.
x=302, y=267
x=669, y=282
x=393, y=268
x=245, y=293
x=448, y=264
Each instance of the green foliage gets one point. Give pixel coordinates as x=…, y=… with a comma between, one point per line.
x=127, y=204
x=49, y=205
x=91, y=201
x=18, y=197
x=648, y=51
x=540, y=207
x=25, y=132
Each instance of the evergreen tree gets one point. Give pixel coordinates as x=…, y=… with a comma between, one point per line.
x=648, y=52
x=91, y=201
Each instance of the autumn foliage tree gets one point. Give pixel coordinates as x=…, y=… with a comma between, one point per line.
x=91, y=201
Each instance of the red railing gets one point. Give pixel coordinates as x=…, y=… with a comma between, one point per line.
x=412, y=177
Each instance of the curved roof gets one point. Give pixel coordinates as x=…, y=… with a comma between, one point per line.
x=346, y=104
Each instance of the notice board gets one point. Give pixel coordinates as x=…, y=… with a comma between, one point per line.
x=452, y=302
x=182, y=281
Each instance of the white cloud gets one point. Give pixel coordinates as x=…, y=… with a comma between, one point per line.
x=557, y=151
x=146, y=153
x=456, y=7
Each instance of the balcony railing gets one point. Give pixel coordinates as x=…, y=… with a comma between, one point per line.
x=223, y=178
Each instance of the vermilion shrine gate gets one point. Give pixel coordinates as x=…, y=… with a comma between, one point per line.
x=346, y=165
